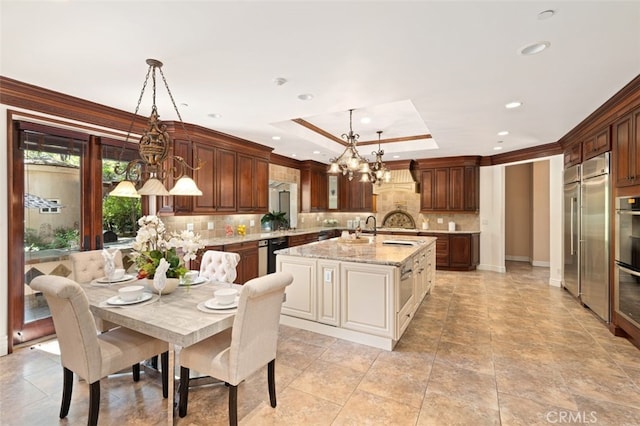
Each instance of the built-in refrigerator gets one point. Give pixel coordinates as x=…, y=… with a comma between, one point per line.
x=586, y=242
x=572, y=230
x=594, y=237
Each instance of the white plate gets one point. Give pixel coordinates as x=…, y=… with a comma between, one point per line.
x=198, y=281
x=116, y=301
x=213, y=304
x=203, y=308
x=105, y=280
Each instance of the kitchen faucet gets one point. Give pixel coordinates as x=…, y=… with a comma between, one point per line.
x=375, y=227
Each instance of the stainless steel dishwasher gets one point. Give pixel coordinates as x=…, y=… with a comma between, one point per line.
x=263, y=256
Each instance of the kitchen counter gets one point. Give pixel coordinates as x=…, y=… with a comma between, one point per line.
x=373, y=251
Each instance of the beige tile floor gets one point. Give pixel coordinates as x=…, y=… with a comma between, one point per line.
x=484, y=348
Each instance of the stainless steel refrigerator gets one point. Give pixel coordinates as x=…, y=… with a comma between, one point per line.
x=594, y=236
x=572, y=230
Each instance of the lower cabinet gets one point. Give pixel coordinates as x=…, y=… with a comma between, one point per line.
x=360, y=297
x=247, y=268
x=456, y=251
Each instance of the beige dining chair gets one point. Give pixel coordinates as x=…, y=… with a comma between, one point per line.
x=234, y=354
x=219, y=266
x=90, y=355
x=89, y=265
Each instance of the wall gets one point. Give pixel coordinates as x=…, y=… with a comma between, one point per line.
x=492, y=223
x=518, y=212
x=541, y=214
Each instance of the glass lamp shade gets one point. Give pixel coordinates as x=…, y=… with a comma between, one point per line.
x=387, y=176
x=185, y=186
x=153, y=187
x=335, y=168
x=353, y=163
x=365, y=168
x=125, y=188
x=364, y=178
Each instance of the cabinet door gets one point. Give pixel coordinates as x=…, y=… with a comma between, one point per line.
x=459, y=250
x=456, y=188
x=328, y=292
x=441, y=188
x=226, y=180
x=319, y=193
x=249, y=261
x=442, y=251
x=205, y=179
x=573, y=155
x=622, y=139
x=261, y=186
x=471, y=188
x=426, y=190
x=635, y=148
x=245, y=182
x=301, y=294
x=367, y=302
x=182, y=148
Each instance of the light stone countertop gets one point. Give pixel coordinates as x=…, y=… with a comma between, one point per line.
x=373, y=251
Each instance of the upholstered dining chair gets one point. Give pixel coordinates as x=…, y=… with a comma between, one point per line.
x=236, y=353
x=89, y=265
x=219, y=266
x=90, y=355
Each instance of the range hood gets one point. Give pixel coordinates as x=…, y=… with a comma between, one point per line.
x=401, y=180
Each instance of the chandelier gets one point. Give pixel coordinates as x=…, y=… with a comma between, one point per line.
x=378, y=172
x=154, y=148
x=350, y=161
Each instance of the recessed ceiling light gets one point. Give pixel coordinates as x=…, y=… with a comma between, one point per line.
x=546, y=14
x=275, y=138
x=503, y=133
x=279, y=81
x=497, y=148
x=534, y=48
x=514, y=104
x=293, y=155
x=396, y=156
x=305, y=97
x=214, y=115
x=365, y=120
x=316, y=152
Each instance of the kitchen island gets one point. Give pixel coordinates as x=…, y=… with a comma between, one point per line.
x=365, y=291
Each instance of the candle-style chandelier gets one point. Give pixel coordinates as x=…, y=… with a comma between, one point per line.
x=378, y=172
x=154, y=149
x=350, y=161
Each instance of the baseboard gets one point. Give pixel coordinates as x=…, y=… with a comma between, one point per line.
x=518, y=258
x=555, y=282
x=492, y=268
x=4, y=345
x=540, y=263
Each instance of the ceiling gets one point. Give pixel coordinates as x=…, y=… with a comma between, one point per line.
x=444, y=69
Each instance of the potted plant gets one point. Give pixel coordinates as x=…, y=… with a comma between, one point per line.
x=276, y=220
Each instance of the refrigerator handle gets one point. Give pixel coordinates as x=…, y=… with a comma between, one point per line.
x=572, y=219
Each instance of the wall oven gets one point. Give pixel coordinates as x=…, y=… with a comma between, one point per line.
x=627, y=301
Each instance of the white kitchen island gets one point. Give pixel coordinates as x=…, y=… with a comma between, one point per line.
x=366, y=291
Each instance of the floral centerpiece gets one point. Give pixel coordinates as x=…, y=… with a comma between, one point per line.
x=154, y=243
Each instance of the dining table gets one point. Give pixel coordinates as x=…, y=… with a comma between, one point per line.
x=180, y=318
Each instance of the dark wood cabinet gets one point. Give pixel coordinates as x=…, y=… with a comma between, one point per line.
x=450, y=188
x=298, y=240
x=626, y=140
x=247, y=268
x=456, y=252
x=355, y=196
x=205, y=179
x=596, y=144
x=225, y=180
x=314, y=194
x=253, y=184
x=573, y=155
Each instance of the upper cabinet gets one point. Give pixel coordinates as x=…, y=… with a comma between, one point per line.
x=596, y=144
x=450, y=184
x=233, y=177
x=314, y=193
x=253, y=184
x=626, y=140
x=573, y=155
x=355, y=196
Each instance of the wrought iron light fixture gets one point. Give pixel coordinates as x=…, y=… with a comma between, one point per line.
x=350, y=161
x=378, y=172
x=154, y=150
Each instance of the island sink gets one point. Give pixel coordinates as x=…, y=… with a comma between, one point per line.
x=400, y=243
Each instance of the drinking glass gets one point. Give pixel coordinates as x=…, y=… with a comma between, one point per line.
x=160, y=285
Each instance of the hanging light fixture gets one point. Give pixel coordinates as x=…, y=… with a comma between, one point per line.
x=154, y=149
x=350, y=161
x=378, y=172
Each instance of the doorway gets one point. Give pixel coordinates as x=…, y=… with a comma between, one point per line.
x=56, y=200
